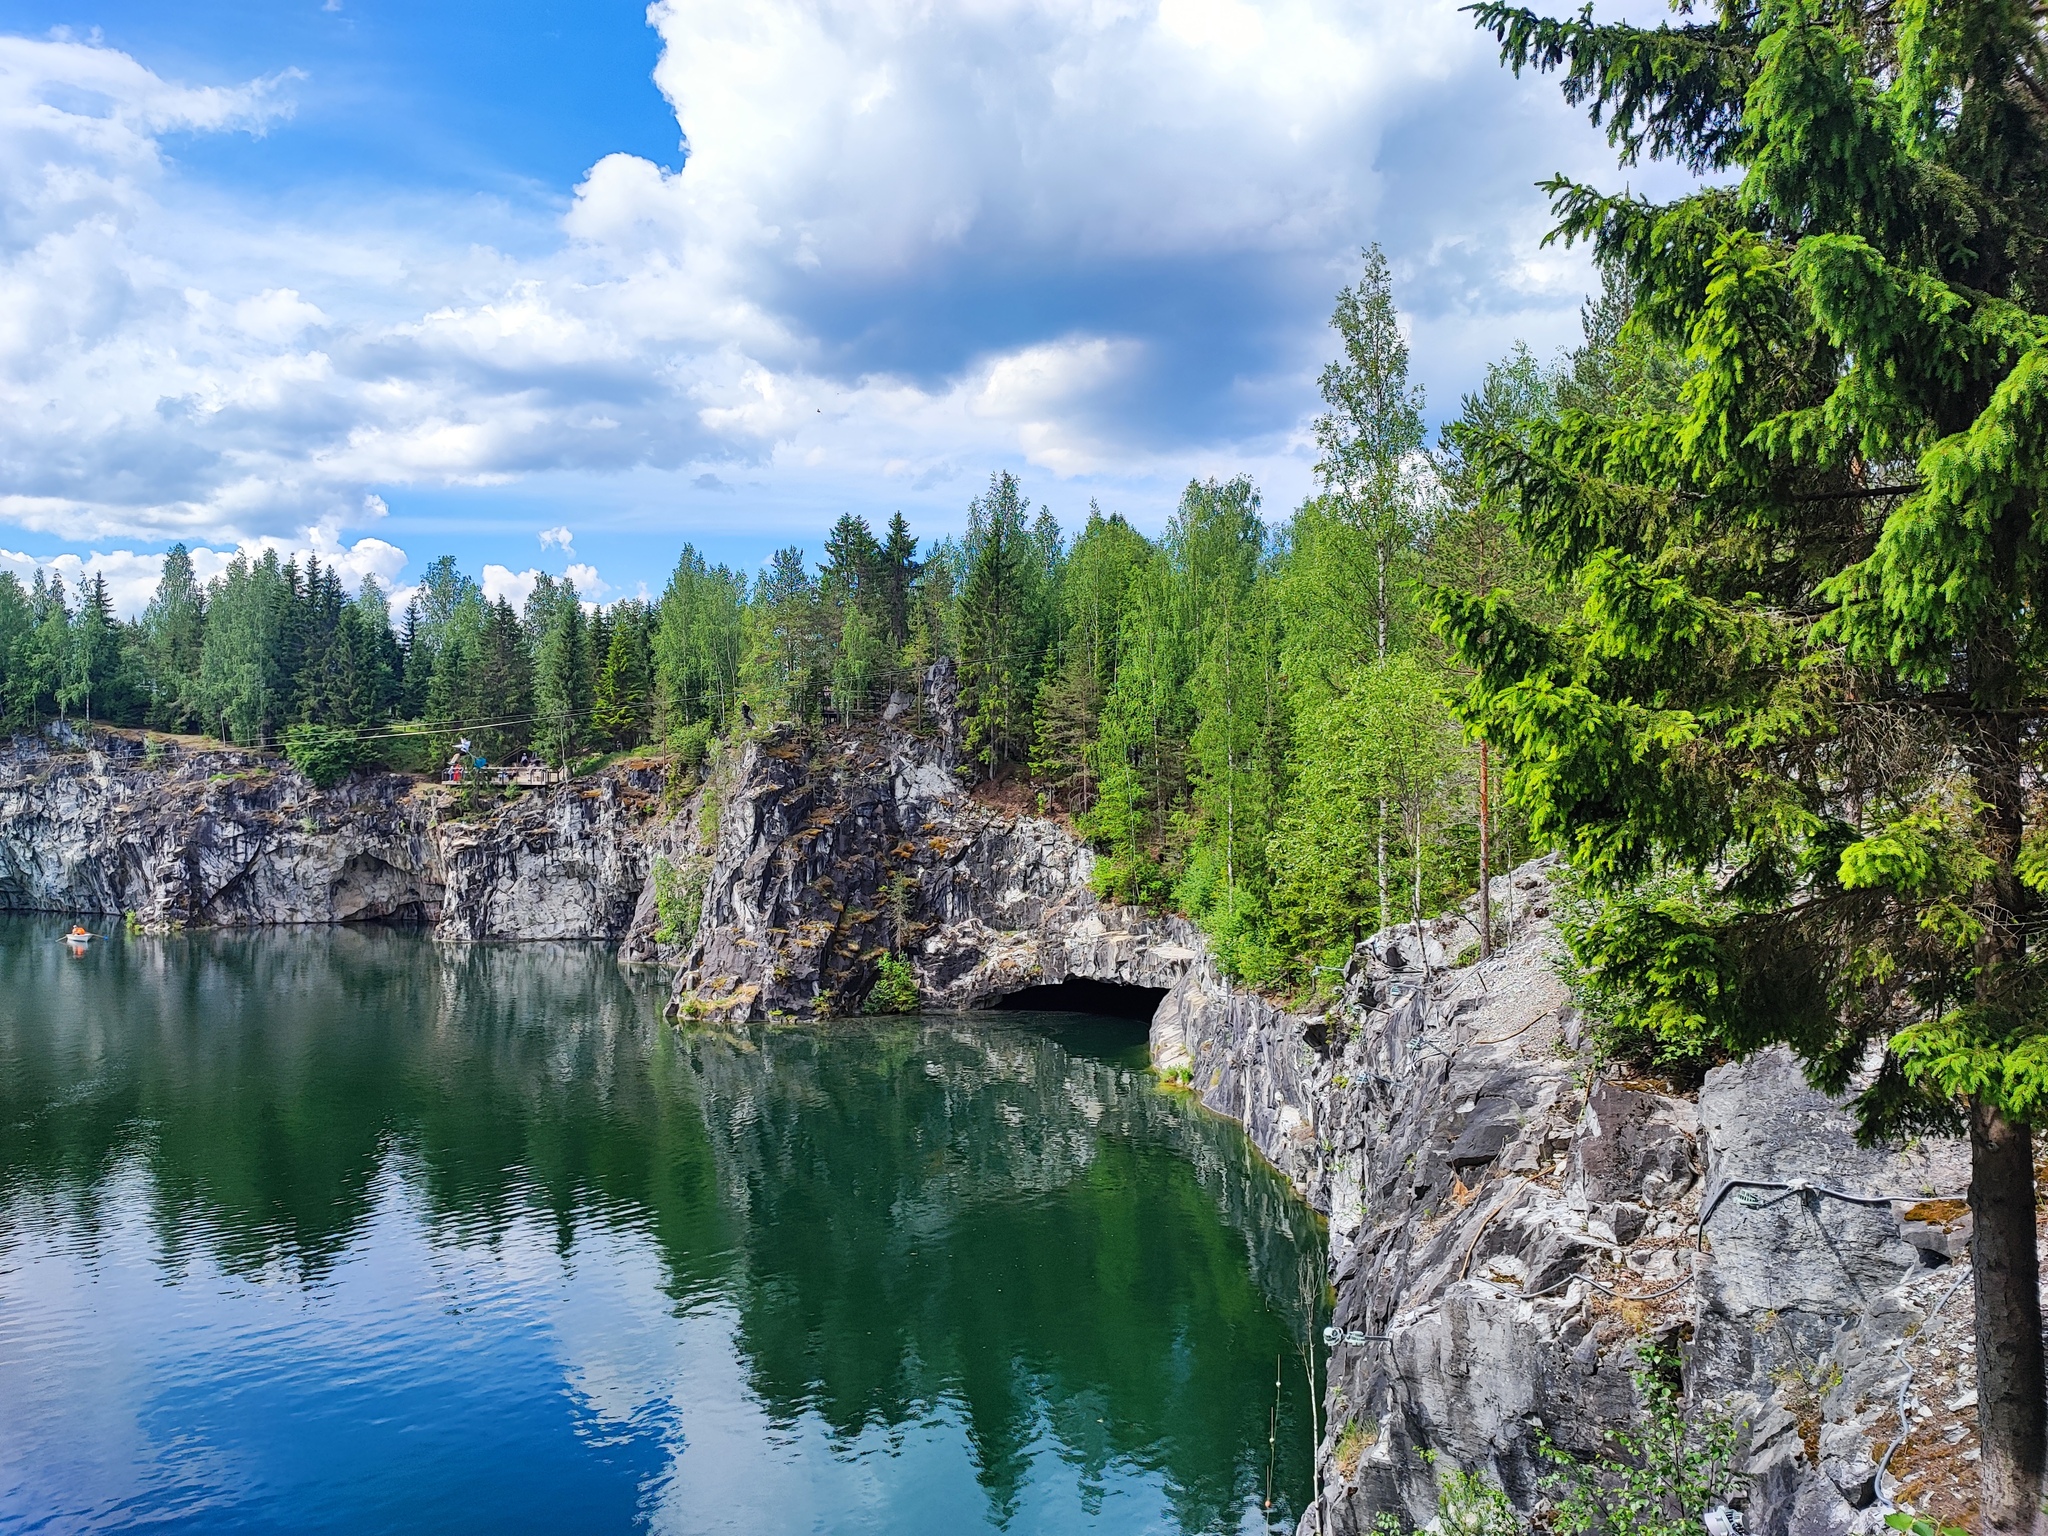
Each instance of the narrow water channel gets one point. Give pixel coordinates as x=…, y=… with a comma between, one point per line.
x=349, y=1231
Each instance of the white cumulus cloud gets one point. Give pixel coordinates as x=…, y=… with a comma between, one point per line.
x=909, y=243
x=514, y=586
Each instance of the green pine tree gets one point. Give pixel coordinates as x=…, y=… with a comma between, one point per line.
x=619, y=704
x=17, y=640
x=505, y=684
x=559, y=698
x=1002, y=624
x=174, y=627
x=1786, y=729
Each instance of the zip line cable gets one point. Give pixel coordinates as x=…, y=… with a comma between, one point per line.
x=434, y=728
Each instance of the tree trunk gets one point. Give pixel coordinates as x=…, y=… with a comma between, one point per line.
x=1485, y=862
x=1381, y=605
x=1380, y=613
x=1421, y=954
x=1386, y=914
x=2012, y=1397
x=2012, y=1425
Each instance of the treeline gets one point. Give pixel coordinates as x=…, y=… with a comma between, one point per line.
x=268, y=649
x=1247, y=718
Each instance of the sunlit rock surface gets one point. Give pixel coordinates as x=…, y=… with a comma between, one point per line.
x=1511, y=1228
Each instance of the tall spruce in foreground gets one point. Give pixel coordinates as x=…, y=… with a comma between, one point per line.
x=1791, y=725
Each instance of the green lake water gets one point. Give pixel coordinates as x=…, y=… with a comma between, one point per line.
x=349, y=1231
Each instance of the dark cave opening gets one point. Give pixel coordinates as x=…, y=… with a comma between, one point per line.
x=1106, y=999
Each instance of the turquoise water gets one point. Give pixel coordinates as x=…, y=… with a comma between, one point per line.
x=348, y=1231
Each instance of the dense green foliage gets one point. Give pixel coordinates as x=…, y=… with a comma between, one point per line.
x=1799, y=535
x=1787, y=721
x=895, y=988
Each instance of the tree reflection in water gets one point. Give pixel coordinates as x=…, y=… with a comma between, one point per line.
x=998, y=1219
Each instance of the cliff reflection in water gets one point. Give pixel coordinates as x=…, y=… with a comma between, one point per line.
x=938, y=1260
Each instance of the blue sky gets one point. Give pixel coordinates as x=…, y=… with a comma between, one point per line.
x=386, y=280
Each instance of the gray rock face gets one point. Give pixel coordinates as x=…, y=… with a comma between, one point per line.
x=1509, y=1230
x=831, y=854
x=222, y=838
x=569, y=862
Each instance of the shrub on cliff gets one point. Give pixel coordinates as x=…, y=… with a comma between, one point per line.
x=323, y=753
x=1657, y=1479
x=895, y=988
x=678, y=900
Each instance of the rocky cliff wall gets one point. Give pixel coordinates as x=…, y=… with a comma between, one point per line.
x=831, y=855
x=1510, y=1227
x=202, y=836
x=832, y=852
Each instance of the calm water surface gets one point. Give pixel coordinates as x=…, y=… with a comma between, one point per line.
x=348, y=1231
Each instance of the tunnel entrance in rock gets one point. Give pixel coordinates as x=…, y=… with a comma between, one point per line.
x=1106, y=999
x=373, y=891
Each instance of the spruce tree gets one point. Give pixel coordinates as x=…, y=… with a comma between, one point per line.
x=242, y=683
x=852, y=572
x=173, y=628
x=93, y=661
x=416, y=665
x=383, y=666
x=505, y=682
x=619, y=695
x=1001, y=625
x=1789, y=727
x=49, y=647
x=454, y=696
x=898, y=570
x=853, y=595
x=17, y=635
x=559, y=687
